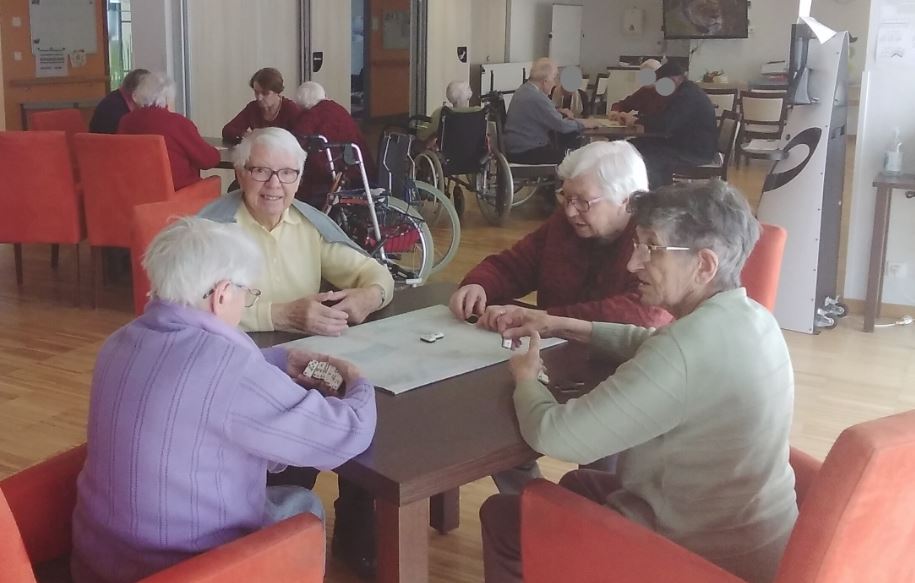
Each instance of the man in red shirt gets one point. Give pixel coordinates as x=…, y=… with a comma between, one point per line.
x=646, y=100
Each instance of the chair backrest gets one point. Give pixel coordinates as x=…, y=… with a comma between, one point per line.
x=723, y=100
x=148, y=220
x=119, y=172
x=761, y=272
x=763, y=112
x=600, y=88
x=728, y=126
x=856, y=522
x=38, y=192
x=394, y=162
x=58, y=120
x=16, y=564
x=462, y=140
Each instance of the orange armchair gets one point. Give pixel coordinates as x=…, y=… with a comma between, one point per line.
x=148, y=220
x=40, y=201
x=855, y=523
x=119, y=172
x=761, y=272
x=65, y=120
x=36, y=507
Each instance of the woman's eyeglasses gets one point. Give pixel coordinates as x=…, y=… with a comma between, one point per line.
x=580, y=205
x=645, y=250
x=251, y=294
x=261, y=174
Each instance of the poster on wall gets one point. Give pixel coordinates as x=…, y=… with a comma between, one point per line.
x=63, y=25
x=51, y=64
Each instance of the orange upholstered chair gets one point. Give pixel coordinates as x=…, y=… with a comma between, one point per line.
x=59, y=120
x=856, y=523
x=148, y=220
x=39, y=197
x=761, y=272
x=36, y=507
x=119, y=172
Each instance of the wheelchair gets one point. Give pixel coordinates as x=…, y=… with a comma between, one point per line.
x=469, y=157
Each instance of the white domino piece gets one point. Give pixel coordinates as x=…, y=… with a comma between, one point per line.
x=507, y=343
x=432, y=337
x=542, y=377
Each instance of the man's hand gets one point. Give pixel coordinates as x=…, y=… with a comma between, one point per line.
x=628, y=118
x=566, y=113
x=358, y=303
x=526, y=366
x=310, y=316
x=589, y=123
x=468, y=300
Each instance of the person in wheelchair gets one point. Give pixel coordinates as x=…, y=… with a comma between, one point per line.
x=459, y=95
x=576, y=261
x=532, y=120
x=324, y=117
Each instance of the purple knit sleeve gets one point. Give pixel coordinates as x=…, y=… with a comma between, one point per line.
x=276, y=356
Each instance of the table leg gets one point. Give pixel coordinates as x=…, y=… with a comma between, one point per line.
x=403, y=541
x=445, y=509
x=878, y=255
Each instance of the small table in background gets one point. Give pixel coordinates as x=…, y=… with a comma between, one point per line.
x=885, y=183
x=225, y=152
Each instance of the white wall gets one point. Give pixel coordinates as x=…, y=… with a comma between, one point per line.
x=529, y=27
x=156, y=46
x=886, y=96
x=488, y=42
x=741, y=59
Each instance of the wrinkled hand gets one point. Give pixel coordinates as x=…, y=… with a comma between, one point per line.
x=628, y=118
x=310, y=316
x=297, y=359
x=468, y=300
x=348, y=371
x=526, y=366
x=589, y=123
x=513, y=321
x=358, y=303
x=567, y=113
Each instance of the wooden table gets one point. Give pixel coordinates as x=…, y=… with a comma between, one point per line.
x=613, y=132
x=885, y=184
x=434, y=439
x=225, y=152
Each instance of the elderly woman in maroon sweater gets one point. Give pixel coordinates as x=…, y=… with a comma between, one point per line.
x=188, y=153
x=576, y=261
x=325, y=117
x=268, y=110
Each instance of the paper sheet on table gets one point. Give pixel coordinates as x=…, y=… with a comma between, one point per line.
x=390, y=354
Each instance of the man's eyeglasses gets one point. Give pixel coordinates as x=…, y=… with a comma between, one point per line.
x=251, y=294
x=580, y=205
x=644, y=250
x=261, y=174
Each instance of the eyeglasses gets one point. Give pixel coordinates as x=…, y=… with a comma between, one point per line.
x=261, y=174
x=645, y=250
x=579, y=204
x=251, y=294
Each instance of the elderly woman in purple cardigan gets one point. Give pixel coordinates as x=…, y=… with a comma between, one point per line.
x=187, y=415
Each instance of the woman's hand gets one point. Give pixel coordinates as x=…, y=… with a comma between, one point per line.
x=467, y=301
x=515, y=322
x=526, y=366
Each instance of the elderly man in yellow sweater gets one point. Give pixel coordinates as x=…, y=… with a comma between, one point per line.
x=302, y=245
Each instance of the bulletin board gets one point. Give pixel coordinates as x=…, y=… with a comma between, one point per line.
x=63, y=25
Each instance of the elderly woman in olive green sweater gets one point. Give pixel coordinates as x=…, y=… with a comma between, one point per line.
x=700, y=409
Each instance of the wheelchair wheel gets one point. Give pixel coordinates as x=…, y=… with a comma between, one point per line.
x=428, y=168
x=410, y=251
x=495, y=189
x=446, y=231
x=457, y=197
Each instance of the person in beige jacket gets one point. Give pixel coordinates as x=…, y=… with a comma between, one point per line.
x=700, y=410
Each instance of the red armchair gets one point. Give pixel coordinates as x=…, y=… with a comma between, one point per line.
x=65, y=120
x=855, y=524
x=760, y=274
x=148, y=220
x=39, y=197
x=36, y=507
x=119, y=172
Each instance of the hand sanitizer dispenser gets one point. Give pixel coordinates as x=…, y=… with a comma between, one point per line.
x=893, y=161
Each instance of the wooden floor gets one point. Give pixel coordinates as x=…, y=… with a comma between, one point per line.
x=48, y=347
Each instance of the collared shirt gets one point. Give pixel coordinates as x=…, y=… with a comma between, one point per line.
x=531, y=118
x=297, y=258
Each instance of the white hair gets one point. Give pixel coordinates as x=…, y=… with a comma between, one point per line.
x=543, y=69
x=459, y=93
x=191, y=255
x=271, y=138
x=617, y=165
x=154, y=90
x=309, y=94
x=652, y=64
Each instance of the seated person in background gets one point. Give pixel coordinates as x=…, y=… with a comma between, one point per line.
x=646, y=100
x=701, y=409
x=303, y=246
x=688, y=127
x=188, y=153
x=268, y=110
x=187, y=415
x=576, y=102
x=459, y=95
x=532, y=119
x=115, y=105
x=576, y=261
x=322, y=116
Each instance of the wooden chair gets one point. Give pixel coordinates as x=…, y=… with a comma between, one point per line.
x=599, y=96
x=119, y=172
x=723, y=100
x=855, y=523
x=728, y=126
x=36, y=510
x=40, y=200
x=763, y=115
